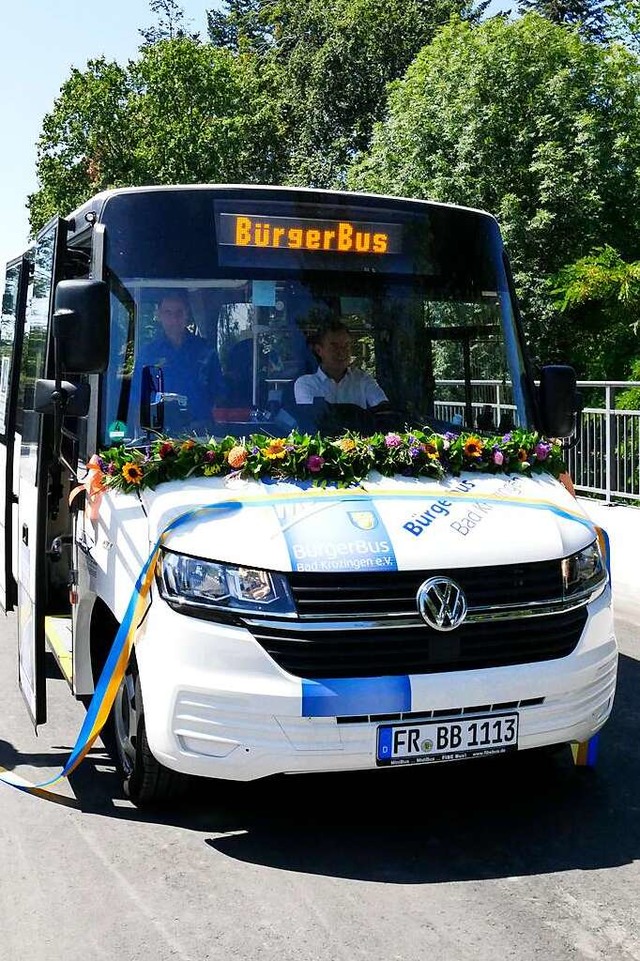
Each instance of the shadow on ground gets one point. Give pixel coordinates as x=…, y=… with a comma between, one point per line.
x=533, y=813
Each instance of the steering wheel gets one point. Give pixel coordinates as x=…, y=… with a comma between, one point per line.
x=341, y=417
x=390, y=418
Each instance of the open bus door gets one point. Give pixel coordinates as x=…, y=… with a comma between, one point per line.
x=13, y=310
x=31, y=476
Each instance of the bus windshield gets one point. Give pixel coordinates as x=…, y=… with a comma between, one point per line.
x=234, y=315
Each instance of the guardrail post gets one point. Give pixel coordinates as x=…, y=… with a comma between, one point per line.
x=611, y=441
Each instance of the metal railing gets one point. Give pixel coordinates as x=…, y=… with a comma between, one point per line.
x=605, y=461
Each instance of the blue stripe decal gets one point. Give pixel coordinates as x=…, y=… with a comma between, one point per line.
x=345, y=696
x=592, y=750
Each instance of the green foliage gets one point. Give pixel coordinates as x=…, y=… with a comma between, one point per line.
x=599, y=296
x=588, y=17
x=171, y=22
x=85, y=140
x=602, y=276
x=343, y=460
x=199, y=117
x=530, y=122
x=330, y=61
x=624, y=23
x=182, y=113
x=629, y=399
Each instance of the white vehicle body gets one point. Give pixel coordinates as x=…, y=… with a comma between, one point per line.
x=218, y=704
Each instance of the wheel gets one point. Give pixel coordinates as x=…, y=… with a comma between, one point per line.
x=145, y=781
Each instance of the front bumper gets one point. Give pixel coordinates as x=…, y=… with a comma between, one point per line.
x=216, y=705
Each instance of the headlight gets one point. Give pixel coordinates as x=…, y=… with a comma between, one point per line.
x=583, y=572
x=192, y=582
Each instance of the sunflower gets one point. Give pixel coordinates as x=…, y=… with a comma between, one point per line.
x=275, y=449
x=132, y=473
x=430, y=449
x=473, y=446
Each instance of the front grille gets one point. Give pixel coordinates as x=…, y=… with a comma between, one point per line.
x=357, y=596
x=416, y=648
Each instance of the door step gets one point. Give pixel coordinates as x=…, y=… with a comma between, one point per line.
x=59, y=641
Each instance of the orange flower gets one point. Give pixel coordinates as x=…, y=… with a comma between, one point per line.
x=346, y=445
x=187, y=445
x=523, y=455
x=473, y=447
x=275, y=449
x=132, y=473
x=237, y=457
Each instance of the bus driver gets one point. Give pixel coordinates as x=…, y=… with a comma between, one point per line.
x=335, y=381
x=190, y=365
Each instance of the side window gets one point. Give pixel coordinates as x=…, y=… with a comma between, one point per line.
x=8, y=337
x=34, y=347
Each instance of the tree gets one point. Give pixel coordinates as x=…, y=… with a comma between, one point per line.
x=328, y=63
x=532, y=123
x=589, y=17
x=599, y=296
x=183, y=112
x=171, y=23
x=245, y=25
x=624, y=19
x=85, y=141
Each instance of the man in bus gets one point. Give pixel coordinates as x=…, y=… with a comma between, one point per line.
x=190, y=366
x=335, y=380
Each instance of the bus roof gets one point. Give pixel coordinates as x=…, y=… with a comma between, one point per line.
x=95, y=206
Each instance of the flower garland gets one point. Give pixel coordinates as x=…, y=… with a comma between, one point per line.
x=344, y=460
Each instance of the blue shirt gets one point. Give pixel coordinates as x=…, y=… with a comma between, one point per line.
x=191, y=369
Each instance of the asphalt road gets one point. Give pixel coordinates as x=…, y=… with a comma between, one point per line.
x=486, y=861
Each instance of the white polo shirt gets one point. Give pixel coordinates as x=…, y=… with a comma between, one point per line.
x=356, y=387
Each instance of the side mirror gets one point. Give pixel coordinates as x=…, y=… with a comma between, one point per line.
x=81, y=326
x=559, y=401
x=73, y=398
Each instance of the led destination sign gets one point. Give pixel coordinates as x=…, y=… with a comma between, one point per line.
x=288, y=233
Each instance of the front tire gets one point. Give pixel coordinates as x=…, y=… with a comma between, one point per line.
x=145, y=781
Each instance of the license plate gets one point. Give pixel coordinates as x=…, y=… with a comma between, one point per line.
x=447, y=740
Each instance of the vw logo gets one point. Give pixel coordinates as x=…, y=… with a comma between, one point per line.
x=442, y=603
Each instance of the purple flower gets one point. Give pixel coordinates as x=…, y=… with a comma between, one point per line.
x=393, y=440
x=507, y=438
x=498, y=457
x=112, y=470
x=210, y=456
x=542, y=450
x=450, y=435
x=315, y=463
x=415, y=452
